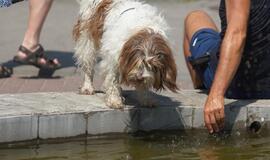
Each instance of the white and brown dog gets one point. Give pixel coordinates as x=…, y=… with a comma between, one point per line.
x=130, y=37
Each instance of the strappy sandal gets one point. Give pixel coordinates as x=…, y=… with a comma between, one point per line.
x=5, y=72
x=33, y=58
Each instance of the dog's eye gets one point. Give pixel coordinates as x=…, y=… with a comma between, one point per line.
x=160, y=56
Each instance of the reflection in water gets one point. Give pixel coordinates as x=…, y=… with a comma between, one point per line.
x=156, y=146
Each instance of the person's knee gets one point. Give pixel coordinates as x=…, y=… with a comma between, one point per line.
x=195, y=15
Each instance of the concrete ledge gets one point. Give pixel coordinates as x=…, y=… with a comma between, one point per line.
x=61, y=115
x=61, y=125
x=18, y=128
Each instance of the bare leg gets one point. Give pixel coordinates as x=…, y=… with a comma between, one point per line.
x=195, y=21
x=38, y=11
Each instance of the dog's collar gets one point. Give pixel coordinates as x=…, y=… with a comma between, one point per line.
x=129, y=9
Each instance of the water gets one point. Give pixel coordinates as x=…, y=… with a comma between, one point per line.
x=157, y=146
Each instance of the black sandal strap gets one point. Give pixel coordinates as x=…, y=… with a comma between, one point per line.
x=25, y=50
x=34, y=57
x=40, y=51
x=5, y=72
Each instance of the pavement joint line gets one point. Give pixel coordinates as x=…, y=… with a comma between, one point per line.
x=43, y=84
x=21, y=86
x=5, y=81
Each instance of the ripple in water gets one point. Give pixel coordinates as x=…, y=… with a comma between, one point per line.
x=153, y=146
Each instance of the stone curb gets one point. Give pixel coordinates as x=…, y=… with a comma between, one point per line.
x=62, y=115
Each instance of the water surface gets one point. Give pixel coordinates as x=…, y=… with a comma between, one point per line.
x=156, y=146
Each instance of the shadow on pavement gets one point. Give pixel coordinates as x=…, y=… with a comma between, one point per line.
x=165, y=115
x=233, y=111
x=160, y=100
x=65, y=58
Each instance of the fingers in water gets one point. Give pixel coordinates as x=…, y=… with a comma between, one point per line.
x=214, y=123
x=208, y=124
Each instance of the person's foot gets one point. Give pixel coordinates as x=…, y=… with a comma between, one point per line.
x=33, y=49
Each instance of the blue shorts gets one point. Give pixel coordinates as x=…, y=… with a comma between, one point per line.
x=204, y=48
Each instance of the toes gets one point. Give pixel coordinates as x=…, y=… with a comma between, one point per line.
x=56, y=61
x=42, y=61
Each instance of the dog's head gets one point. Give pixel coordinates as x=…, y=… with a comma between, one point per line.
x=146, y=61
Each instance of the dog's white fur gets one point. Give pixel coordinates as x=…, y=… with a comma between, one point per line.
x=119, y=26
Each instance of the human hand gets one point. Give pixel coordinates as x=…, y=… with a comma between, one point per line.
x=214, y=113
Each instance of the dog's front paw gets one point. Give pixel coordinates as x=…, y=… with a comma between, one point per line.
x=115, y=102
x=87, y=91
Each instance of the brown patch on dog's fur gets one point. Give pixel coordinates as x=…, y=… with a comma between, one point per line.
x=94, y=26
x=77, y=30
x=163, y=64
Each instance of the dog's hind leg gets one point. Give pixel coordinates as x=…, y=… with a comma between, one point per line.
x=86, y=60
x=87, y=87
x=114, y=97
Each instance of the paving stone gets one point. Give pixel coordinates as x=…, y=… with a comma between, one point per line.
x=31, y=85
x=3, y=81
x=18, y=128
x=165, y=118
x=72, y=84
x=235, y=117
x=113, y=121
x=66, y=125
x=12, y=85
x=198, y=118
x=53, y=85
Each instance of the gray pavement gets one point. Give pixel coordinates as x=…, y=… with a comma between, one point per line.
x=62, y=115
x=56, y=38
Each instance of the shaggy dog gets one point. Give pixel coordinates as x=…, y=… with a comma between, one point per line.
x=130, y=37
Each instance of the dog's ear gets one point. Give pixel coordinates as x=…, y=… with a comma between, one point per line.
x=169, y=79
x=129, y=58
x=168, y=71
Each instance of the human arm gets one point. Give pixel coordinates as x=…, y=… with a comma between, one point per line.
x=230, y=57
